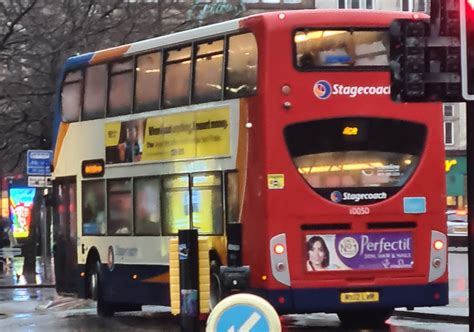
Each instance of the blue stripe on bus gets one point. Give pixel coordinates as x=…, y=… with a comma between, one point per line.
x=71, y=64
x=78, y=61
x=121, y=288
x=309, y=300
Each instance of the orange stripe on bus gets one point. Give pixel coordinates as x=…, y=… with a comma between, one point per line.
x=161, y=278
x=110, y=53
x=63, y=127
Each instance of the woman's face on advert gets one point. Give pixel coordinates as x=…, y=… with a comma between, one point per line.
x=317, y=254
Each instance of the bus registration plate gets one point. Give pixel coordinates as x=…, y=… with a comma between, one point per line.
x=359, y=297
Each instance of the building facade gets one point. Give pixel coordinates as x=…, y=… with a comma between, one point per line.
x=455, y=143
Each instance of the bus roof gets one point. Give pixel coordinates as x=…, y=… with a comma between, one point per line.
x=295, y=18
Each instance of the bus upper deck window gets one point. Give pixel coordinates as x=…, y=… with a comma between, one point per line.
x=341, y=48
x=241, y=70
x=208, y=72
x=177, y=75
x=148, y=86
x=71, y=96
x=95, y=92
x=120, y=88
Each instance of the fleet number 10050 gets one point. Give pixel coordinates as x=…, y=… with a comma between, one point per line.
x=359, y=211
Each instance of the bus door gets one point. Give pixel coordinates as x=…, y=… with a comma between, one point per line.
x=65, y=235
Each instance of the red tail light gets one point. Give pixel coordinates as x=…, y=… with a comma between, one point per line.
x=438, y=245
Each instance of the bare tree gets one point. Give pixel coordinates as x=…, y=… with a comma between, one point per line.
x=36, y=37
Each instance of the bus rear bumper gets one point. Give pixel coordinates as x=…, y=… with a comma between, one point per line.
x=308, y=300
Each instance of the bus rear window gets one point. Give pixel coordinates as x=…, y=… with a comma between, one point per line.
x=356, y=152
x=340, y=48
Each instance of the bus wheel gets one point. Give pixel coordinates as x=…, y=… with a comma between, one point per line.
x=216, y=292
x=364, y=319
x=104, y=309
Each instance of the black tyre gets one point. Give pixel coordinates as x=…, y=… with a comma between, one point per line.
x=216, y=291
x=365, y=319
x=104, y=309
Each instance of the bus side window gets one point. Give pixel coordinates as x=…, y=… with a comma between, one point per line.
x=177, y=76
x=120, y=88
x=119, y=206
x=93, y=207
x=71, y=96
x=95, y=92
x=147, y=213
x=175, y=204
x=241, y=70
x=207, y=84
x=232, y=197
x=148, y=86
x=206, y=193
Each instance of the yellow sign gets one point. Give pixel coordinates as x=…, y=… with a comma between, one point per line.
x=359, y=297
x=450, y=163
x=276, y=181
x=112, y=133
x=189, y=135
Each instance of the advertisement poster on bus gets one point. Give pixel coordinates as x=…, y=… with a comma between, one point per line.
x=180, y=136
x=21, y=205
x=370, y=251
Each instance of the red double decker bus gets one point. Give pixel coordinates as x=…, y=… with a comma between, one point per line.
x=280, y=123
x=344, y=203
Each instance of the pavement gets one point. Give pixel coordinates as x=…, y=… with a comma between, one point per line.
x=12, y=274
x=12, y=278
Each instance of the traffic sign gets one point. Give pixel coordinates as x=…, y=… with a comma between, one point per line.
x=243, y=313
x=38, y=162
x=39, y=181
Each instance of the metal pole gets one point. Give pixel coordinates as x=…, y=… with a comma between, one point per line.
x=470, y=205
x=189, y=279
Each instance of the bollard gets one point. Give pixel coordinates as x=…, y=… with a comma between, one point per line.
x=234, y=244
x=189, y=279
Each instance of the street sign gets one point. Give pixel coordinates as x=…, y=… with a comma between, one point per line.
x=243, y=313
x=39, y=181
x=38, y=162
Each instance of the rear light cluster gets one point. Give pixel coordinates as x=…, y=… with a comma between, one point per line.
x=438, y=256
x=279, y=259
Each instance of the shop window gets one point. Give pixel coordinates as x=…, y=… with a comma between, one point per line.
x=448, y=110
x=119, y=204
x=147, y=206
x=448, y=133
x=93, y=207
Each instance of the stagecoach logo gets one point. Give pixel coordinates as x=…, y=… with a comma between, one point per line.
x=336, y=196
x=323, y=90
x=348, y=247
